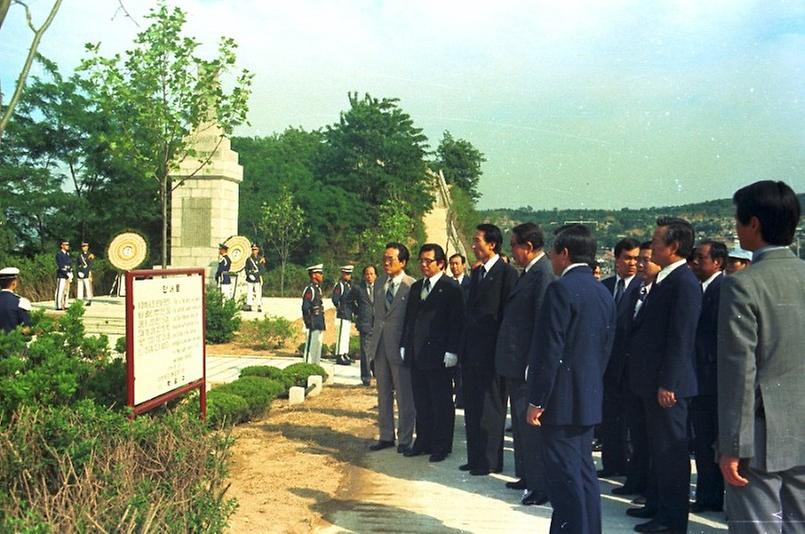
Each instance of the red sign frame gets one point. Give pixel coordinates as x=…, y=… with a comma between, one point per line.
x=200, y=384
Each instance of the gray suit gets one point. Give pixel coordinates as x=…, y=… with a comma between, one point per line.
x=392, y=376
x=761, y=392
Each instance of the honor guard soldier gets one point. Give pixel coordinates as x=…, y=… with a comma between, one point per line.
x=313, y=314
x=14, y=309
x=64, y=274
x=83, y=289
x=343, y=315
x=255, y=264
x=222, y=276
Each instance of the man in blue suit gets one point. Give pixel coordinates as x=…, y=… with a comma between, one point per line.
x=709, y=259
x=565, y=378
x=660, y=354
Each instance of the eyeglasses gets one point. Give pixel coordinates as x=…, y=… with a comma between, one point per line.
x=426, y=261
x=389, y=259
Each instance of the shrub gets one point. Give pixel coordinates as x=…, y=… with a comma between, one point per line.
x=84, y=469
x=296, y=278
x=256, y=391
x=223, y=317
x=120, y=345
x=298, y=372
x=269, y=333
x=268, y=371
x=224, y=409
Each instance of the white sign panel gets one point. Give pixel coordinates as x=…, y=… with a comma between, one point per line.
x=168, y=334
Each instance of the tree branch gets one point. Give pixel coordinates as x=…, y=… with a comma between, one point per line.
x=28, y=61
x=203, y=164
x=126, y=13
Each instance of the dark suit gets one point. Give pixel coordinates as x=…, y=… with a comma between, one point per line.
x=511, y=359
x=484, y=393
x=565, y=377
x=703, y=407
x=432, y=328
x=661, y=353
x=458, y=391
x=363, y=309
x=612, y=432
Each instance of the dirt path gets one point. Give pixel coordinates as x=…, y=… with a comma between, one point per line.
x=289, y=466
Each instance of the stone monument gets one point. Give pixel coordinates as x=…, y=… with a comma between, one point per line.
x=204, y=209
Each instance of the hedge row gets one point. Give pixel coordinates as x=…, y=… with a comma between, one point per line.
x=250, y=396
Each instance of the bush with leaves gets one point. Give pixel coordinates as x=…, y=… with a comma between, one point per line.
x=258, y=393
x=298, y=372
x=268, y=371
x=223, y=317
x=270, y=333
x=60, y=366
x=84, y=468
x=224, y=409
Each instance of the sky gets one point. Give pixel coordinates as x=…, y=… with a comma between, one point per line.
x=575, y=104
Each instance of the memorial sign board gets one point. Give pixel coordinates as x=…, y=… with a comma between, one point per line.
x=165, y=350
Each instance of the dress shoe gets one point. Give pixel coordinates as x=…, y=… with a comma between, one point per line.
x=698, y=507
x=413, y=451
x=517, y=484
x=534, y=498
x=367, y=382
x=656, y=526
x=641, y=513
x=401, y=449
x=626, y=490
x=380, y=445
x=604, y=473
x=478, y=472
x=466, y=467
x=640, y=499
x=438, y=457
x=342, y=360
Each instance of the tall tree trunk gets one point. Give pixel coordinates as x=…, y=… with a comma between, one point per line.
x=163, y=193
x=282, y=277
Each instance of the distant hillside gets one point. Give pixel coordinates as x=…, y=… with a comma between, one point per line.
x=712, y=219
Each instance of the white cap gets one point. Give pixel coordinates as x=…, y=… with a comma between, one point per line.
x=740, y=254
x=9, y=272
x=318, y=268
x=347, y=268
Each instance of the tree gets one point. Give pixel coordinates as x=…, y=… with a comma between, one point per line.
x=161, y=95
x=283, y=225
x=394, y=224
x=8, y=111
x=375, y=152
x=461, y=163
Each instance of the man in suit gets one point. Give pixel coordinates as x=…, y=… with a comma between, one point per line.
x=660, y=355
x=612, y=432
x=64, y=274
x=429, y=347
x=343, y=315
x=513, y=348
x=458, y=271
x=573, y=337
x=393, y=378
x=637, y=472
x=761, y=368
x=362, y=299
x=709, y=258
x=484, y=393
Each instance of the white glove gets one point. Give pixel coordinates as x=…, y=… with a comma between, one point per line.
x=402, y=353
x=526, y=373
x=450, y=359
x=81, y=275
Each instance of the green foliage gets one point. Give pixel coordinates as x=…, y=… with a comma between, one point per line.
x=268, y=371
x=59, y=367
x=298, y=372
x=466, y=217
x=223, y=316
x=120, y=345
x=158, y=96
x=283, y=226
x=461, y=164
x=296, y=278
x=224, y=409
x=393, y=224
x=84, y=468
x=258, y=393
x=269, y=333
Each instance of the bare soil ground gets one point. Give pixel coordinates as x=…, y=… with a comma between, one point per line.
x=287, y=467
